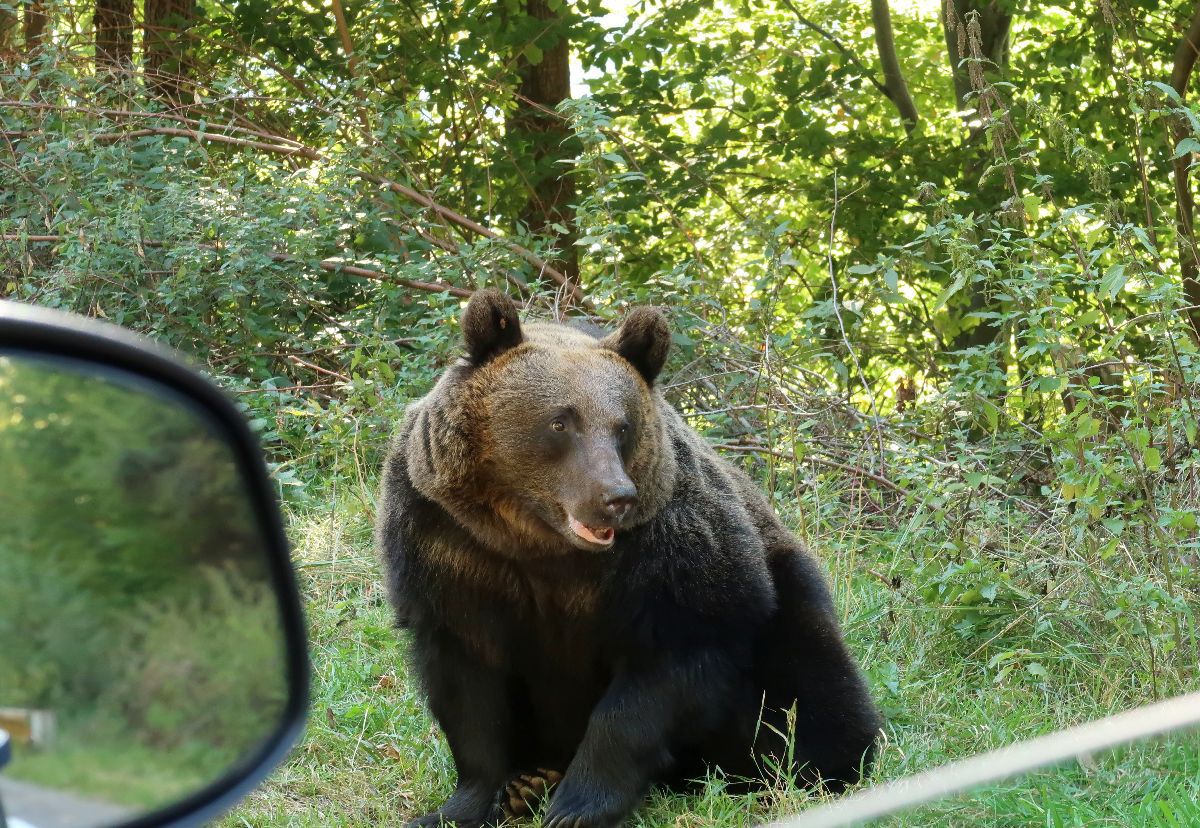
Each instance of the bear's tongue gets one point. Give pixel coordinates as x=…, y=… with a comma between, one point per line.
x=602, y=536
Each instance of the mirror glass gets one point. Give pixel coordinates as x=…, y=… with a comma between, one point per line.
x=142, y=655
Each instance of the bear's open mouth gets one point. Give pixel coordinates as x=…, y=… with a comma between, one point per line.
x=599, y=535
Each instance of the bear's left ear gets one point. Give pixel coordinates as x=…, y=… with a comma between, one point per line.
x=643, y=340
x=490, y=325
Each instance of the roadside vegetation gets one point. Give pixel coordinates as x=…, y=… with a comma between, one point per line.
x=931, y=268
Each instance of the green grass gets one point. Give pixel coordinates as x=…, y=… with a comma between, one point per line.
x=372, y=757
x=119, y=771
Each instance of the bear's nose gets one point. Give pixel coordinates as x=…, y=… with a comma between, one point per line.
x=618, y=502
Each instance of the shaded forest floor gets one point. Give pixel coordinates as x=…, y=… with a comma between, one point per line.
x=372, y=756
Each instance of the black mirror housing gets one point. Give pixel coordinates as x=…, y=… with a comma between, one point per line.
x=87, y=345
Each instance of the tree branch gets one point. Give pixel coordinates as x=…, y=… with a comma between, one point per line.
x=115, y=114
x=897, y=87
x=993, y=21
x=339, y=17
x=841, y=47
x=820, y=461
x=330, y=265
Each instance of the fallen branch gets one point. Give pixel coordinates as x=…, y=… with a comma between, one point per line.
x=467, y=224
x=312, y=389
x=335, y=266
x=820, y=461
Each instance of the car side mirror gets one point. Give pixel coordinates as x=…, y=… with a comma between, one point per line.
x=153, y=665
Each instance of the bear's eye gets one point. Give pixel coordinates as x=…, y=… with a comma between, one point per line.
x=622, y=430
x=558, y=425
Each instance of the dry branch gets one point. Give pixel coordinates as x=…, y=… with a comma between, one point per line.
x=168, y=115
x=197, y=135
x=312, y=366
x=820, y=461
x=330, y=265
x=335, y=266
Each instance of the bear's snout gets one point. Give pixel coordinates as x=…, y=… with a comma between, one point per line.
x=619, y=501
x=598, y=490
x=610, y=499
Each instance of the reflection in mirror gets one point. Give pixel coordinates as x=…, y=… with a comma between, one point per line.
x=141, y=650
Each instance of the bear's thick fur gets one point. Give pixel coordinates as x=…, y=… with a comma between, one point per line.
x=590, y=588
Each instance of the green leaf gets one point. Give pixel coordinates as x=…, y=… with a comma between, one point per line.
x=953, y=288
x=1152, y=457
x=1032, y=205
x=992, y=412
x=1113, y=281
x=1087, y=426
x=1167, y=90
x=1186, y=147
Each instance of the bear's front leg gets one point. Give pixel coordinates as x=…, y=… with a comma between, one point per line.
x=468, y=699
x=631, y=733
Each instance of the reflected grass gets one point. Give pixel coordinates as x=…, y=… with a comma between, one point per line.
x=114, y=770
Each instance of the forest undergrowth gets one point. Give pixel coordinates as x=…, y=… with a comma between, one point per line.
x=960, y=355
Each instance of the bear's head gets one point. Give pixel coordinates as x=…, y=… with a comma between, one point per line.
x=557, y=438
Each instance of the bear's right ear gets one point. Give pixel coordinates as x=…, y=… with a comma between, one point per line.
x=490, y=325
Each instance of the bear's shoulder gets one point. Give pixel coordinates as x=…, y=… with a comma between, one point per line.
x=703, y=549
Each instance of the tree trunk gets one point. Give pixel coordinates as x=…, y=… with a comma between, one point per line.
x=8, y=35
x=114, y=34
x=1189, y=268
x=35, y=22
x=990, y=55
x=167, y=65
x=994, y=23
x=545, y=136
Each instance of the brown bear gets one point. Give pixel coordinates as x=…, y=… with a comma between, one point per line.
x=589, y=588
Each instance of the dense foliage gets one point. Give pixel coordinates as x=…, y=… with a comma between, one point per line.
x=932, y=266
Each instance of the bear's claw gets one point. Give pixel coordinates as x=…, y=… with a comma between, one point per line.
x=524, y=794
